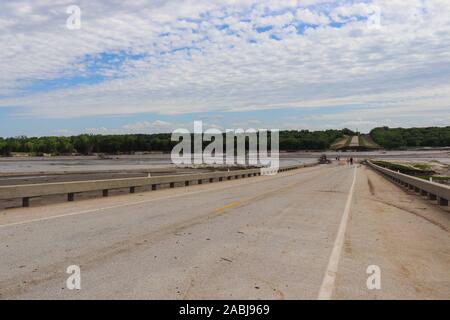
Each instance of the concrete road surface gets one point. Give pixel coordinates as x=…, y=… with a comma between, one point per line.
x=301, y=234
x=354, y=142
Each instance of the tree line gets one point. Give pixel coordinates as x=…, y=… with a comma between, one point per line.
x=290, y=140
x=394, y=138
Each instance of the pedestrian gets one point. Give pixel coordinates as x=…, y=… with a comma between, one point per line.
x=351, y=161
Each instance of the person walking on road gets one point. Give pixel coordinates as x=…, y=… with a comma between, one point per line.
x=351, y=161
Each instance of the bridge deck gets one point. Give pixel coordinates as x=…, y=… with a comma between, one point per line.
x=267, y=237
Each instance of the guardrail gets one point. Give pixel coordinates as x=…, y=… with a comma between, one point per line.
x=71, y=188
x=60, y=173
x=434, y=191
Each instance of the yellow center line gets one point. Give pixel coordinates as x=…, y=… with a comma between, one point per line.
x=228, y=206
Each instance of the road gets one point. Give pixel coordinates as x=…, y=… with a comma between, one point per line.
x=301, y=234
x=354, y=142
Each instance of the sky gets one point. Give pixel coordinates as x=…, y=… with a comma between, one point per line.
x=146, y=66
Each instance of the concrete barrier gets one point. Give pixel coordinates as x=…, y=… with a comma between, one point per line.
x=72, y=188
x=434, y=191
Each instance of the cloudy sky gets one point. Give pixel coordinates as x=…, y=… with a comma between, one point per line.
x=154, y=65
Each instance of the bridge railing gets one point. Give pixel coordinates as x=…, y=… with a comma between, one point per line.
x=28, y=191
x=434, y=191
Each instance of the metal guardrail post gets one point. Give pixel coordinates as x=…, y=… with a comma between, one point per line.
x=443, y=202
x=25, y=202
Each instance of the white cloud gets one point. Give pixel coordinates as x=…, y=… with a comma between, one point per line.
x=188, y=63
x=137, y=126
x=147, y=126
x=101, y=130
x=309, y=17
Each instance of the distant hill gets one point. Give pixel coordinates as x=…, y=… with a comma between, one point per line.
x=395, y=138
x=358, y=142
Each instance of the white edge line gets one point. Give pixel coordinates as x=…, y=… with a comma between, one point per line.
x=327, y=287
